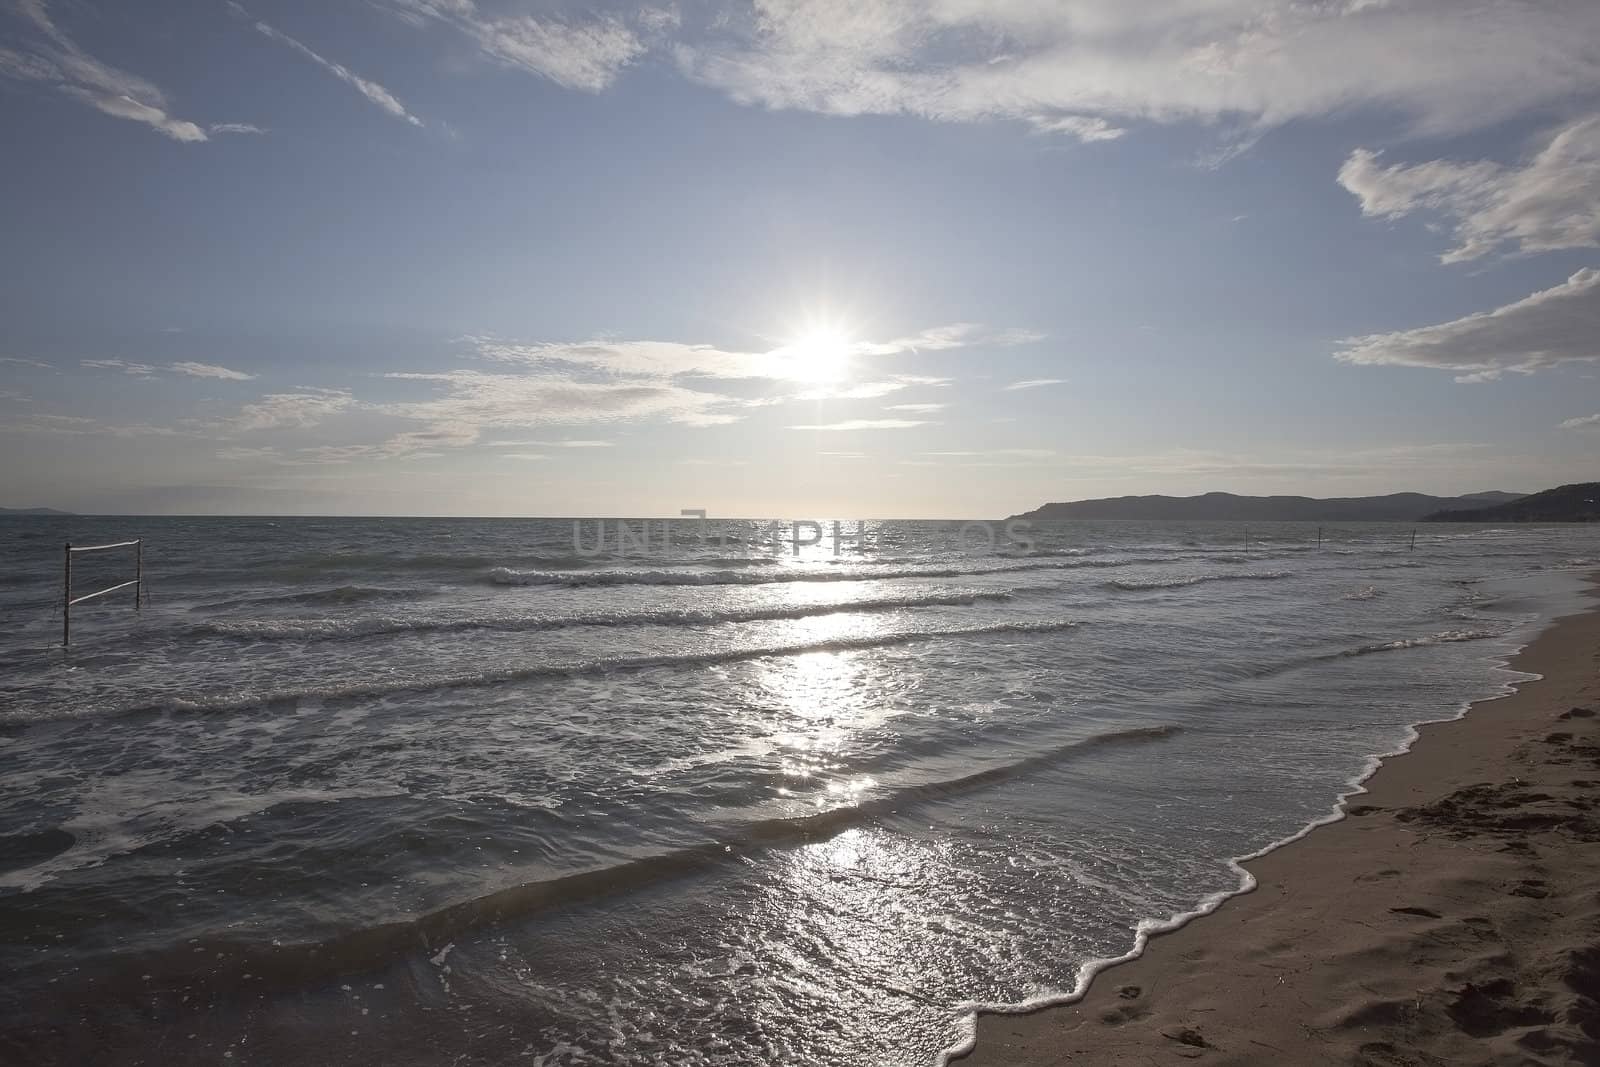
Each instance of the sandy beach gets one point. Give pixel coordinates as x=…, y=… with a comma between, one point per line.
x=1452, y=918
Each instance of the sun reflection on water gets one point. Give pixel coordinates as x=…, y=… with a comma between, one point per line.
x=826, y=700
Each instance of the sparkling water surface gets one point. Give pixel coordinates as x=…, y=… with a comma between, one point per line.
x=409, y=790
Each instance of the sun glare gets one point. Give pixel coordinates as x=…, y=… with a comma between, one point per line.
x=821, y=355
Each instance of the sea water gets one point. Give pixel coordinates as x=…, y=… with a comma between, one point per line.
x=427, y=790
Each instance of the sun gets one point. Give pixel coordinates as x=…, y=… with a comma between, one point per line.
x=820, y=355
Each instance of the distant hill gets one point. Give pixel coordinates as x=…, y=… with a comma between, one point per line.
x=32, y=511
x=1227, y=507
x=1570, y=503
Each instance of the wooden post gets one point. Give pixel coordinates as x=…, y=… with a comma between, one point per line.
x=1413, y=539
x=66, y=597
x=1319, y=539
x=1247, y=540
x=138, y=572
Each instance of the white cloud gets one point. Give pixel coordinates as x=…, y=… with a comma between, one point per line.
x=866, y=424
x=235, y=127
x=1252, y=64
x=1555, y=326
x=524, y=455
x=1581, y=422
x=53, y=58
x=209, y=370
x=919, y=409
x=374, y=92
x=1552, y=201
x=587, y=54
x=278, y=411
x=1034, y=383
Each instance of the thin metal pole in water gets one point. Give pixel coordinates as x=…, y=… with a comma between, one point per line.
x=1247, y=540
x=66, y=597
x=138, y=572
x=1413, y=539
x=1319, y=538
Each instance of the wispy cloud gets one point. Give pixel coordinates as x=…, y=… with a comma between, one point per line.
x=80, y=426
x=209, y=370
x=585, y=54
x=139, y=370
x=1582, y=422
x=669, y=359
x=188, y=369
x=245, y=454
x=1084, y=69
x=917, y=409
x=277, y=411
x=471, y=402
x=1086, y=129
x=1548, y=329
x=235, y=128
x=52, y=58
x=374, y=92
x=1034, y=383
x=866, y=424
x=1550, y=202
x=553, y=444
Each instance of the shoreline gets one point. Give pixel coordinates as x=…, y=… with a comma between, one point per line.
x=1257, y=968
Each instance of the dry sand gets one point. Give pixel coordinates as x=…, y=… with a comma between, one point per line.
x=1453, y=918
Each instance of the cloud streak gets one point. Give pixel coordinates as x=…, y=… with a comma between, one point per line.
x=669, y=359
x=1555, y=326
x=374, y=93
x=50, y=57
x=188, y=369
x=865, y=424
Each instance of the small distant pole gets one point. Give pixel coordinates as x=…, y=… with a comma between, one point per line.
x=1413, y=539
x=66, y=597
x=1247, y=540
x=1319, y=539
x=138, y=572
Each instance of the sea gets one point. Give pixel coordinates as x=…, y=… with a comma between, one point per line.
x=473, y=791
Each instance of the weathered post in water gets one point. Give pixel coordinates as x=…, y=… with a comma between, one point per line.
x=1413, y=539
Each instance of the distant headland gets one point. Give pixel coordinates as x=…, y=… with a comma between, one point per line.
x=32, y=511
x=1229, y=507
x=1579, y=502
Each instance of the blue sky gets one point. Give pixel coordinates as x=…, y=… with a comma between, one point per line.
x=868, y=258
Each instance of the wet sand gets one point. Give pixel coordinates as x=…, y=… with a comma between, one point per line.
x=1452, y=918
